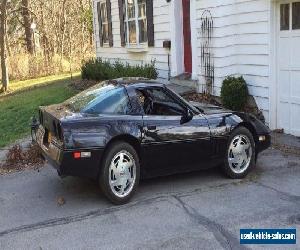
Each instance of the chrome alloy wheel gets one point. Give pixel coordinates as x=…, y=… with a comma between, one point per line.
x=122, y=174
x=239, y=154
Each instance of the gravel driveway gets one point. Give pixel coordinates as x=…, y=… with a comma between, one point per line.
x=201, y=210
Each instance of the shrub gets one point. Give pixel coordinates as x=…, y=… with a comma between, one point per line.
x=234, y=93
x=98, y=69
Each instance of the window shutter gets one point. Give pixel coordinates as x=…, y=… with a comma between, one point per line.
x=100, y=23
x=122, y=25
x=150, y=24
x=109, y=19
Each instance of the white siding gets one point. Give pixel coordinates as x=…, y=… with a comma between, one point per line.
x=161, y=32
x=241, y=44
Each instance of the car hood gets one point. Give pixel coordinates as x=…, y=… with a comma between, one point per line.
x=209, y=108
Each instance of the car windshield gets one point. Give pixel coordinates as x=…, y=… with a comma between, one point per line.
x=107, y=99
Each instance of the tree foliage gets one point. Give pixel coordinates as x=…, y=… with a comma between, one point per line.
x=57, y=34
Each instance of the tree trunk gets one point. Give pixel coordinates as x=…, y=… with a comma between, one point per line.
x=27, y=26
x=63, y=32
x=5, y=79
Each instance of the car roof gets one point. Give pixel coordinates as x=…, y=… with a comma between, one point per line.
x=136, y=83
x=145, y=84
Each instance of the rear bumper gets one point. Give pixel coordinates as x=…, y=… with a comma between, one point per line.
x=84, y=167
x=65, y=163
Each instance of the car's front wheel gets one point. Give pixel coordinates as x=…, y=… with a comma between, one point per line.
x=120, y=173
x=240, y=154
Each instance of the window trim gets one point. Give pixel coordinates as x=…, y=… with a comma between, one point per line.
x=137, y=45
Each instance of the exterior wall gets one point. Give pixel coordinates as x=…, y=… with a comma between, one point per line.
x=161, y=32
x=241, y=44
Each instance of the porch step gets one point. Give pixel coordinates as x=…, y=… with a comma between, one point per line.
x=181, y=90
x=183, y=84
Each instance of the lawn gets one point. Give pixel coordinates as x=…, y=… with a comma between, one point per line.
x=16, y=86
x=17, y=110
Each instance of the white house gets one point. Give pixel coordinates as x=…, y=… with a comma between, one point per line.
x=211, y=39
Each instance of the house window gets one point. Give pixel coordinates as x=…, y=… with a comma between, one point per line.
x=135, y=22
x=296, y=15
x=104, y=22
x=290, y=16
x=284, y=17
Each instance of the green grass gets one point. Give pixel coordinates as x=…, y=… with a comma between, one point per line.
x=17, y=110
x=17, y=86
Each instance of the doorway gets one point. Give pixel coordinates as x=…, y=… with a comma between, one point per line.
x=186, y=9
x=288, y=65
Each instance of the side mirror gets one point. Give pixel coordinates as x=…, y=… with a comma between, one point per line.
x=187, y=116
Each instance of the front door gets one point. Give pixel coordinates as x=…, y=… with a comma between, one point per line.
x=187, y=36
x=288, y=78
x=169, y=143
x=172, y=147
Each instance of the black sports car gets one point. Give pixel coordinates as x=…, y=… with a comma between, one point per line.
x=122, y=130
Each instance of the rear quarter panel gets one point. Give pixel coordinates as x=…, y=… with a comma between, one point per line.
x=93, y=134
x=96, y=132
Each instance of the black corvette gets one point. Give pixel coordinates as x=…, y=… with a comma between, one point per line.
x=122, y=130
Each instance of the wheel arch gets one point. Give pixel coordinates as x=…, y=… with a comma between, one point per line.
x=130, y=139
x=252, y=130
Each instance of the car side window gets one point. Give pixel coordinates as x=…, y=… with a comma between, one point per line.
x=156, y=101
x=114, y=101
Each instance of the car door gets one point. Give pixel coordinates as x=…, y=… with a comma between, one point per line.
x=169, y=145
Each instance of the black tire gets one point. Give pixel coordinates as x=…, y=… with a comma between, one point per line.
x=226, y=166
x=104, y=176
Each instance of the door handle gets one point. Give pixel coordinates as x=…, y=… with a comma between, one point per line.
x=151, y=127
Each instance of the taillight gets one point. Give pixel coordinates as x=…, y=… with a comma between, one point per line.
x=77, y=155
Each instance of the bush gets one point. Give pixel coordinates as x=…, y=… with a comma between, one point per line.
x=99, y=70
x=234, y=93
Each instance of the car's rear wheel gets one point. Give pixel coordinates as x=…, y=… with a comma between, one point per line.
x=120, y=173
x=240, y=154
